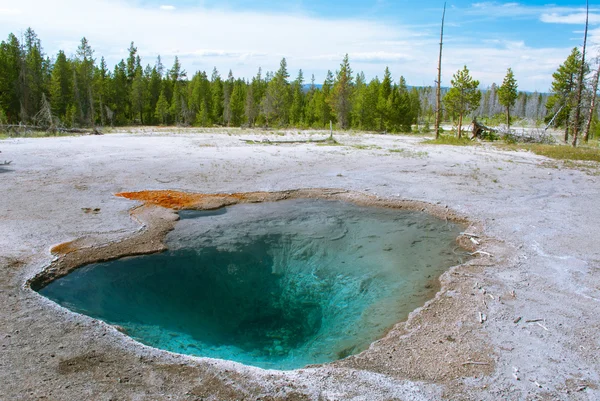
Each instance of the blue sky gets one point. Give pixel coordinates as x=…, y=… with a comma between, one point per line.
x=532, y=37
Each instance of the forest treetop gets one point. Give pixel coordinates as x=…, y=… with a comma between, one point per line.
x=81, y=90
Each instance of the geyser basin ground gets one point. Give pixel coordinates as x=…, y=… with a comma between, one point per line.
x=277, y=285
x=538, y=218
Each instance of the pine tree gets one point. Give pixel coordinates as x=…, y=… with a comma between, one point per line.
x=138, y=95
x=415, y=107
x=253, y=98
x=560, y=104
x=200, y=99
x=119, y=96
x=178, y=109
x=297, y=107
x=507, y=94
x=217, y=97
x=401, y=108
x=162, y=109
x=358, y=99
x=342, y=94
x=34, y=74
x=61, y=85
x=324, y=113
x=154, y=89
x=227, y=92
x=132, y=63
x=3, y=118
x=385, y=90
x=101, y=90
x=10, y=73
x=310, y=111
x=237, y=103
x=276, y=103
x=463, y=96
x=83, y=86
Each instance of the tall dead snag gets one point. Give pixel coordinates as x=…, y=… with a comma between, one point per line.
x=438, y=93
x=577, y=117
x=44, y=117
x=588, y=124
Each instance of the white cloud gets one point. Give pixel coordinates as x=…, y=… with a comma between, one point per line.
x=533, y=68
x=380, y=56
x=215, y=53
x=244, y=41
x=10, y=11
x=366, y=57
x=574, y=18
x=495, y=9
x=548, y=13
x=167, y=8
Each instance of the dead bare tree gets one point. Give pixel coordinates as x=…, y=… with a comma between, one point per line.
x=44, y=117
x=588, y=124
x=438, y=93
x=110, y=115
x=576, y=122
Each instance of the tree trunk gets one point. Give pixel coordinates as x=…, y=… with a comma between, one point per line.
x=438, y=106
x=508, y=117
x=102, y=121
x=567, y=133
x=576, y=123
x=588, y=124
x=460, y=118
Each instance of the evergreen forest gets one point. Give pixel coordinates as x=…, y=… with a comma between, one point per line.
x=80, y=90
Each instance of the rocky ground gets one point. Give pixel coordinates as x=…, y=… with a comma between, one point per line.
x=536, y=279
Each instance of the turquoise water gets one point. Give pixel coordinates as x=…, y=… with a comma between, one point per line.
x=274, y=285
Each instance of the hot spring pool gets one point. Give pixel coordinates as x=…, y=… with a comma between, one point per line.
x=276, y=285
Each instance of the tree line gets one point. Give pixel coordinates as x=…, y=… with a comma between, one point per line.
x=80, y=91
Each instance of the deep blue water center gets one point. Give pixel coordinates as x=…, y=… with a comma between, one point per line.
x=274, y=285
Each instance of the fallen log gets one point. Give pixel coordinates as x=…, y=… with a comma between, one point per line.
x=268, y=141
x=479, y=129
x=19, y=127
x=8, y=127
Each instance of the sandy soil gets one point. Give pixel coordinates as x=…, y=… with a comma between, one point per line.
x=539, y=290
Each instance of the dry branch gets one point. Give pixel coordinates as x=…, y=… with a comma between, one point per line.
x=475, y=363
x=469, y=235
x=20, y=128
x=268, y=141
x=481, y=253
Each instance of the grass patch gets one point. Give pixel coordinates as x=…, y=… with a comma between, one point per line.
x=366, y=147
x=449, y=140
x=329, y=142
x=559, y=152
x=408, y=153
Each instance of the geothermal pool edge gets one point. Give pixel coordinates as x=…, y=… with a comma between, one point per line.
x=157, y=215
